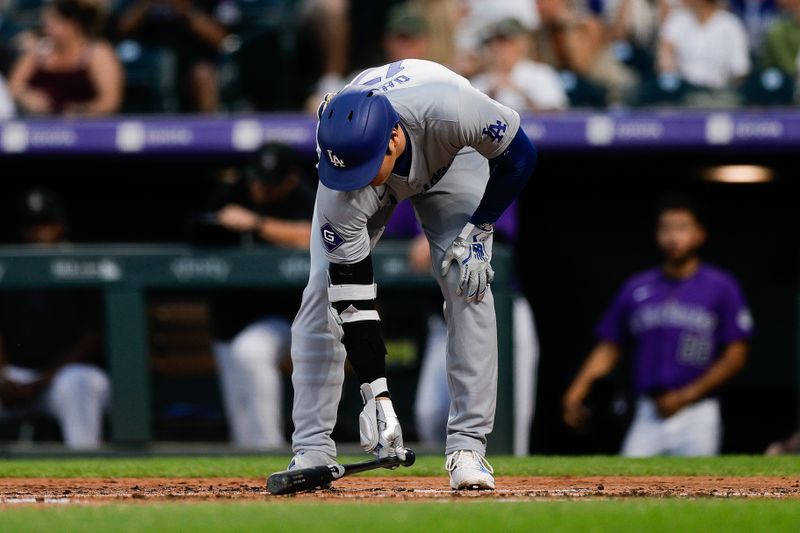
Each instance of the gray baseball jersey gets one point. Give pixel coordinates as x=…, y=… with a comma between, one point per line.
x=452, y=129
x=443, y=116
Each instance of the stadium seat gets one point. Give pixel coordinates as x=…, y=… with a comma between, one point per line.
x=768, y=87
x=638, y=59
x=26, y=13
x=267, y=88
x=263, y=14
x=670, y=91
x=660, y=90
x=582, y=92
x=150, y=78
x=247, y=79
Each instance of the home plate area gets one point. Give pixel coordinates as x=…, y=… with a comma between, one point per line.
x=34, y=491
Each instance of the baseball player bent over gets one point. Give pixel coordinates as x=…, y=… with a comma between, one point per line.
x=410, y=129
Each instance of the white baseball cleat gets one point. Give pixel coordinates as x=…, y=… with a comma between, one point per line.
x=469, y=470
x=310, y=458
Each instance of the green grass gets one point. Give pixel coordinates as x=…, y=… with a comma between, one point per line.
x=426, y=466
x=455, y=515
x=583, y=516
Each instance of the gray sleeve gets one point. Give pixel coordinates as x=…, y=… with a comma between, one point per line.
x=343, y=218
x=484, y=124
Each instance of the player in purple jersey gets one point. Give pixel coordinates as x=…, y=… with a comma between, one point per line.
x=687, y=325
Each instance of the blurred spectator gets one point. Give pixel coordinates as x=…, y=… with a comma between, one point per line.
x=6, y=101
x=272, y=205
x=631, y=28
x=782, y=44
x=475, y=16
x=51, y=341
x=441, y=19
x=704, y=45
x=571, y=37
x=406, y=37
x=432, y=402
x=70, y=72
x=633, y=21
x=195, y=30
x=330, y=21
x=688, y=325
x=406, y=34
x=757, y=16
x=514, y=80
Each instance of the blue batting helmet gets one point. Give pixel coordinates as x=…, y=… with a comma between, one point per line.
x=354, y=131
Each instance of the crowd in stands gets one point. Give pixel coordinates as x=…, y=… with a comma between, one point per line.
x=88, y=57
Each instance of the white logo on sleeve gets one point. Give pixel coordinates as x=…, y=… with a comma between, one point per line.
x=330, y=238
x=335, y=161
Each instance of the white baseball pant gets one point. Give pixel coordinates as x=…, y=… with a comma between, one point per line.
x=695, y=430
x=252, y=389
x=76, y=397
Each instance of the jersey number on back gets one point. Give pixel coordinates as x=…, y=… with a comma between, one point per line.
x=391, y=77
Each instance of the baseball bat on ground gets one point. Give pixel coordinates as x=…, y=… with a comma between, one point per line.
x=290, y=481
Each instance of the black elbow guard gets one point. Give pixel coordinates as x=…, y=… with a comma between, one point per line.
x=352, y=291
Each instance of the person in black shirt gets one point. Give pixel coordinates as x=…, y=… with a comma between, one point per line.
x=195, y=30
x=269, y=205
x=51, y=341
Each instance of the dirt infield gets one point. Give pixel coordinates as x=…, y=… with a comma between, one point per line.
x=63, y=491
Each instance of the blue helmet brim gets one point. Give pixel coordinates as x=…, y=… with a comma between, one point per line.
x=349, y=178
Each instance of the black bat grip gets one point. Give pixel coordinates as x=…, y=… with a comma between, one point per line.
x=386, y=462
x=290, y=481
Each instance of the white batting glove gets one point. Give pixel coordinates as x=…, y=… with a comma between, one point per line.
x=472, y=250
x=379, y=427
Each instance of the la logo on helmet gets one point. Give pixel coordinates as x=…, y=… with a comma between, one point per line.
x=335, y=161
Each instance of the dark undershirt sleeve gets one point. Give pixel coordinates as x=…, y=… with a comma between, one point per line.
x=508, y=174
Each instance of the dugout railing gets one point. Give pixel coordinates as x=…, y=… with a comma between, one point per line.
x=124, y=273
